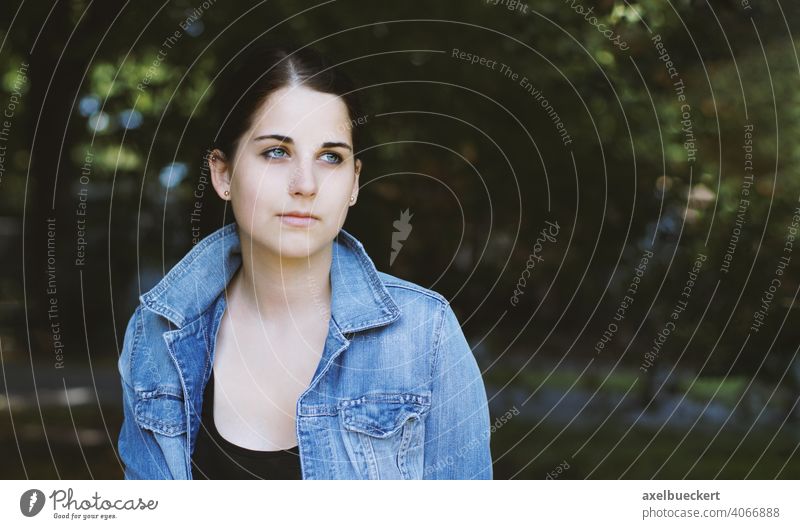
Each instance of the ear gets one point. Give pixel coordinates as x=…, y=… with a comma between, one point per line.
x=220, y=173
x=356, y=184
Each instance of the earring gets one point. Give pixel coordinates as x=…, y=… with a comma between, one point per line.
x=227, y=192
x=352, y=199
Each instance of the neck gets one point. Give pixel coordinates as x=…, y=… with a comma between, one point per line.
x=287, y=289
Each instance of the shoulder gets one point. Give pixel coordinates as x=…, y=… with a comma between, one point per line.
x=428, y=320
x=402, y=288
x=421, y=308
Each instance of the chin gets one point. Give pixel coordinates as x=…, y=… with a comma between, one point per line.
x=298, y=243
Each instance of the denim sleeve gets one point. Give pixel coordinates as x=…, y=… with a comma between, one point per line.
x=457, y=435
x=138, y=449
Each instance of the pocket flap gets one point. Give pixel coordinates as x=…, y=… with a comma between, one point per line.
x=382, y=414
x=163, y=413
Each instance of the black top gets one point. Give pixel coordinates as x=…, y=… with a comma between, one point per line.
x=215, y=457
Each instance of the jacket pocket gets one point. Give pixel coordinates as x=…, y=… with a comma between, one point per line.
x=161, y=412
x=384, y=434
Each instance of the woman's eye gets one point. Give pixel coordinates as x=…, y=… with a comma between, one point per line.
x=276, y=152
x=332, y=157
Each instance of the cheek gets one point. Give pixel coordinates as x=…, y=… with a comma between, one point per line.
x=337, y=185
x=258, y=192
x=260, y=177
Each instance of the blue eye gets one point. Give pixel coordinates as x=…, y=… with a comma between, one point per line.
x=336, y=158
x=273, y=153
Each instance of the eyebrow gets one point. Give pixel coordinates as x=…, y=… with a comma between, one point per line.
x=287, y=139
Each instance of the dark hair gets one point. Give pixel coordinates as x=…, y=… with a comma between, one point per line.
x=262, y=70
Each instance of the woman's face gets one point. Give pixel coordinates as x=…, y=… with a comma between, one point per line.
x=296, y=157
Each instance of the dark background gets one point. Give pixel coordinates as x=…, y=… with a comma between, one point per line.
x=480, y=164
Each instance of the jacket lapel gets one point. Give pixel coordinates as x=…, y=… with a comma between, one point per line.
x=189, y=298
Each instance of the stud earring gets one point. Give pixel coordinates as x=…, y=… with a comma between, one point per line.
x=352, y=199
x=227, y=192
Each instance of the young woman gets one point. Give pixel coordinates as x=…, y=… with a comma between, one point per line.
x=274, y=349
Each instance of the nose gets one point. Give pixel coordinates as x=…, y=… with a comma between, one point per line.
x=303, y=181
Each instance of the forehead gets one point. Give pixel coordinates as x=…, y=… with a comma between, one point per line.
x=300, y=111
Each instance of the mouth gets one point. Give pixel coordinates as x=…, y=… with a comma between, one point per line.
x=298, y=219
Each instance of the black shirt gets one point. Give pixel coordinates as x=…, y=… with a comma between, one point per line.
x=215, y=457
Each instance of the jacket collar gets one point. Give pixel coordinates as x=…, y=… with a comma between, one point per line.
x=359, y=299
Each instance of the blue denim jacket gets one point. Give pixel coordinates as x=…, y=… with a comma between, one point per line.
x=397, y=393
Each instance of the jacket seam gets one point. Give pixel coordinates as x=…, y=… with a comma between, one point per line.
x=438, y=338
x=427, y=292
x=207, y=353
x=134, y=346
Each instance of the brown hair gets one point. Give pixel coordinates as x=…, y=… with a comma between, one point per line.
x=264, y=69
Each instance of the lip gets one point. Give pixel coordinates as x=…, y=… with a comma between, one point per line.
x=301, y=214
x=298, y=219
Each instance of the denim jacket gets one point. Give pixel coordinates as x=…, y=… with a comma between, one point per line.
x=397, y=393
